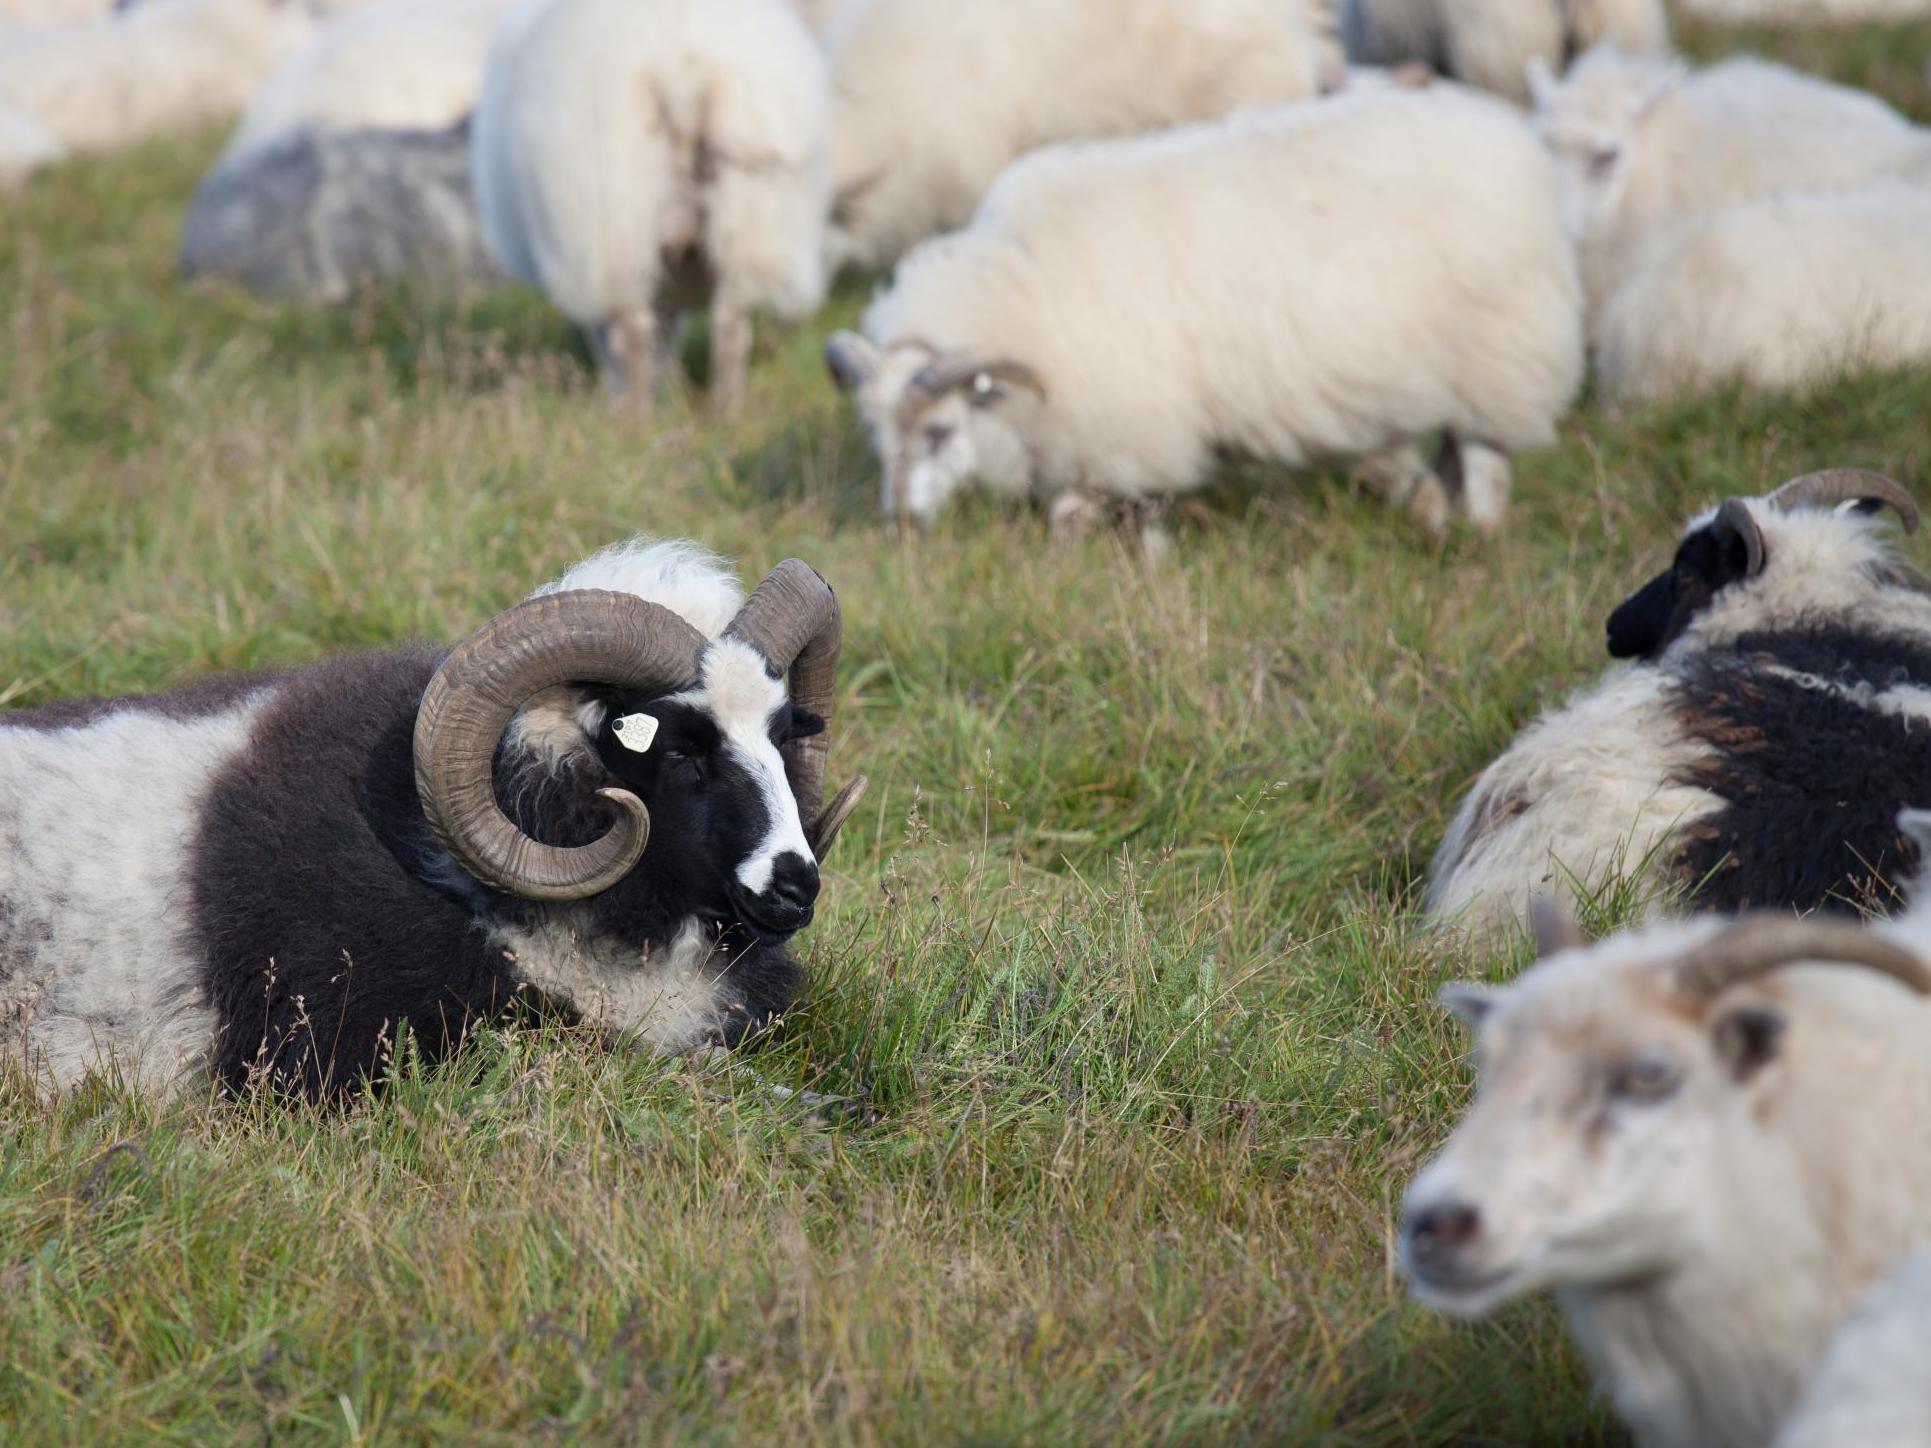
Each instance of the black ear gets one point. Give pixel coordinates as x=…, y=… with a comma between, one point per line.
x=1640, y=625
x=804, y=724
x=1747, y=1039
x=851, y=359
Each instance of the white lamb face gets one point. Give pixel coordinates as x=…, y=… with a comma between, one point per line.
x=1590, y=121
x=1595, y=1147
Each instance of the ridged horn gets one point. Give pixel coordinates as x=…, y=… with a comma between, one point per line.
x=1756, y=946
x=585, y=636
x=792, y=619
x=963, y=369
x=1835, y=486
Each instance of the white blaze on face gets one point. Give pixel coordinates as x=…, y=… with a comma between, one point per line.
x=737, y=692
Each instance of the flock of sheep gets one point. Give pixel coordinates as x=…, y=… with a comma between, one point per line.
x=1119, y=240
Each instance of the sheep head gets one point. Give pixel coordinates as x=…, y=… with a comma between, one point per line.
x=938, y=419
x=640, y=669
x=1729, y=546
x=1591, y=120
x=1622, y=1095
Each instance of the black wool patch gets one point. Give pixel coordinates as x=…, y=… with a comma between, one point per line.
x=1812, y=780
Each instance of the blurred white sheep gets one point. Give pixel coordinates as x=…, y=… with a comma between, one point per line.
x=1489, y=43
x=932, y=98
x=637, y=158
x=1121, y=314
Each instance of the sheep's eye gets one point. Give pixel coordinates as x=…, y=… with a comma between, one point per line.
x=1644, y=1079
x=1602, y=162
x=938, y=434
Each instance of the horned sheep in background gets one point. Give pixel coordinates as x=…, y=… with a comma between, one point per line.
x=636, y=158
x=1706, y=1139
x=932, y=99
x=605, y=800
x=1490, y=43
x=1772, y=720
x=1122, y=314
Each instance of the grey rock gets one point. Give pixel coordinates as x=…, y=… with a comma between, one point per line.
x=316, y=215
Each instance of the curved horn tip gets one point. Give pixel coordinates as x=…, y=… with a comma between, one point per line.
x=1833, y=487
x=1734, y=515
x=1553, y=925
x=831, y=819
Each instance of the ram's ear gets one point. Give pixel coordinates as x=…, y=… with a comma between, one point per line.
x=1747, y=1038
x=1468, y=1001
x=851, y=359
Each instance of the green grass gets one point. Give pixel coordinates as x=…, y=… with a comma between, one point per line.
x=1120, y=948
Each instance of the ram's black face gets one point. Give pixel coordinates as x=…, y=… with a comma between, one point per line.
x=725, y=839
x=1653, y=617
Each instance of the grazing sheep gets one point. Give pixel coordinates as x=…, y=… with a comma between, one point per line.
x=23, y=13
x=268, y=877
x=167, y=65
x=1706, y=1139
x=314, y=215
x=1756, y=749
x=1787, y=292
x=405, y=65
x=931, y=99
x=636, y=157
x=1870, y=1391
x=1640, y=141
x=1489, y=43
x=1122, y=314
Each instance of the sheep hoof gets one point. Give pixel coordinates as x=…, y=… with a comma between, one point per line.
x=1429, y=505
x=1073, y=515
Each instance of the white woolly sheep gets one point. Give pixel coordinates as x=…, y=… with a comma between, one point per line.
x=1641, y=140
x=408, y=65
x=1781, y=293
x=1490, y=43
x=931, y=99
x=1756, y=751
x=1871, y=1390
x=166, y=65
x=607, y=799
x=22, y=13
x=633, y=157
x=1706, y=1139
x=1123, y=313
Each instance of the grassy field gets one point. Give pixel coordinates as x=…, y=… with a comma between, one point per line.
x=1121, y=949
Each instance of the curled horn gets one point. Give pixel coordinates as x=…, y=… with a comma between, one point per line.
x=792, y=619
x=588, y=636
x=959, y=369
x=1757, y=946
x=1735, y=518
x=1835, y=486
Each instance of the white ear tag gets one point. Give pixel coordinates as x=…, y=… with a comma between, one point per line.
x=635, y=731
x=982, y=384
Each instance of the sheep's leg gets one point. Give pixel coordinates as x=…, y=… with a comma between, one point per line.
x=1403, y=477
x=730, y=351
x=1073, y=514
x=626, y=347
x=1477, y=475
x=1150, y=516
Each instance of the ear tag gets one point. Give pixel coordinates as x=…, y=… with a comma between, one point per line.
x=635, y=732
x=982, y=384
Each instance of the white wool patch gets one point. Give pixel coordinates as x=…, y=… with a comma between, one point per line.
x=741, y=696
x=97, y=965
x=671, y=1000
x=684, y=577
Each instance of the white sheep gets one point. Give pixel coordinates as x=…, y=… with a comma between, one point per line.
x=1706, y=1140
x=1489, y=43
x=1641, y=140
x=1871, y=1390
x=1121, y=314
x=1756, y=748
x=1781, y=293
x=932, y=98
x=413, y=65
x=52, y=12
x=166, y=65
x=633, y=157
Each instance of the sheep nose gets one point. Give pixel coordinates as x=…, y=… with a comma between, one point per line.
x=1439, y=1230
x=794, y=883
